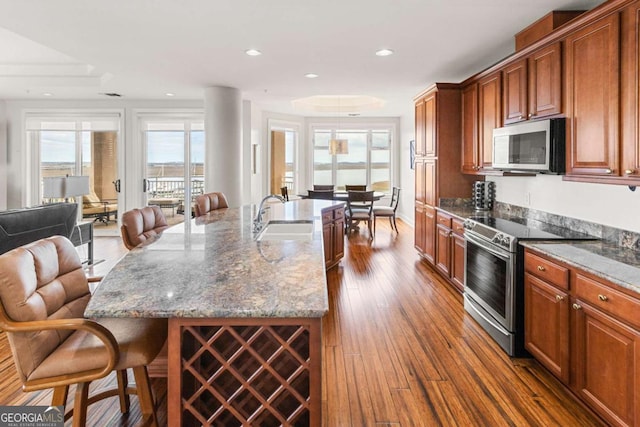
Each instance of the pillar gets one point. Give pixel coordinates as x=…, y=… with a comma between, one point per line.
x=223, y=143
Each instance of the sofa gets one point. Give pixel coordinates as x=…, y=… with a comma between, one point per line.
x=21, y=226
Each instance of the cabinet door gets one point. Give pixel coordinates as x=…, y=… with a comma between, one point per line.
x=607, y=359
x=630, y=92
x=420, y=177
x=327, y=237
x=457, y=261
x=430, y=124
x=490, y=115
x=419, y=228
x=470, y=161
x=592, y=82
x=419, y=110
x=545, y=80
x=546, y=325
x=429, y=233
x=338, y=239
x=443, y=249
x=514, y=92
x=430, y=182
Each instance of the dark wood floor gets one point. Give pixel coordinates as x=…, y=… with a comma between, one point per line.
x=399, y=351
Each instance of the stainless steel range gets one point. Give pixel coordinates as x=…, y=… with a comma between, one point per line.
x=494, y=273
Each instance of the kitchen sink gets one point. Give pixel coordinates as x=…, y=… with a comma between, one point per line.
x=286, y=230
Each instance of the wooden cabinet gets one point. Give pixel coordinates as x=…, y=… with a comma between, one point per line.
x=333, y=235
x=592, y=85
x=514, y=92
x=630, y=106
x=420, y=128
x=470, y=155
x=586, y=332
x=531, y=86
x=489, y=116
x=437, y=170
x=450, y=247
x=545, y=82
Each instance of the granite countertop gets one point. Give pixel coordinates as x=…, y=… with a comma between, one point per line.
x=606, y=260
x=611, y=262
x=212, y=266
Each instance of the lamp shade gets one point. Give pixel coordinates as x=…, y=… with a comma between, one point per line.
x=338, y=146
x=76, y=186
x=53, y=187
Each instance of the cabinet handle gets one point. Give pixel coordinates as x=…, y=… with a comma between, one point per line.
x=629, y=171
x=608, y=171
x=520, y=117
x=577, y=306
x=559, y=298
x=603, y=298
x=541, y=268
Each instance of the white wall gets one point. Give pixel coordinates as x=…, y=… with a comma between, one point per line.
x=407, y=176
x=3, y=155
x=613, y=205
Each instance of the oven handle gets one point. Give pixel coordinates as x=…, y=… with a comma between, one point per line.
x=506, y=256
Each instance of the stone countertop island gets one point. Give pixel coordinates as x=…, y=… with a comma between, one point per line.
x=244, y=316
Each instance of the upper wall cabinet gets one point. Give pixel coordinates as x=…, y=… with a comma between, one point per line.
x=470, y=155
x=630, y=93
x=490, y=116
x=592, y=85
x=531, y=86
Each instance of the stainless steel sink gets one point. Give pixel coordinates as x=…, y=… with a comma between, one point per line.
x=286, y=230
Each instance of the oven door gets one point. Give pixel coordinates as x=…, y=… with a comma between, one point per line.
x=489, y=279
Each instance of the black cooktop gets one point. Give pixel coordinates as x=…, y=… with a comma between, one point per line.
x=523, y=228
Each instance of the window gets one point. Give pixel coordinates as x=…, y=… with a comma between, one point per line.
x=368, y=160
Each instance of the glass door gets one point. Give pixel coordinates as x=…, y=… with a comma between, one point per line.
x=174, y=152
x=73, y=147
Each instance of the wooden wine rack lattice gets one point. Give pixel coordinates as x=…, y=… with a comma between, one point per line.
x=248, y=375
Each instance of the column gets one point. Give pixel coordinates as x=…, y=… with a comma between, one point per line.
x=223, y=144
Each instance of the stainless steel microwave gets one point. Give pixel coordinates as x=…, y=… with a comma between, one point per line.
x=536, y=146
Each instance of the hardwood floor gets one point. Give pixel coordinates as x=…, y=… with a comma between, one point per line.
x=398, y=351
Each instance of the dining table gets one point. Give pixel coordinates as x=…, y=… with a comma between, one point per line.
x=343, y=196
x=244, y=315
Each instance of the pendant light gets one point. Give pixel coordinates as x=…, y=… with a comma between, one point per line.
x=338, y=145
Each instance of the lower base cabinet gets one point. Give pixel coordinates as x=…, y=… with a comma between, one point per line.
x=450, y=247
x=333, y=235
x=586, y=331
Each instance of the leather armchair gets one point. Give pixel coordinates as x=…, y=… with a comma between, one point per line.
x=210, y=201
x=139, y=225
x=43, y=295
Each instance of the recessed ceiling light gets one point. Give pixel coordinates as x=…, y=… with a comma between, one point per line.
x=47, y=94
x=170, y=94
x=253, y=52
x=384, y=52
x=311, y=75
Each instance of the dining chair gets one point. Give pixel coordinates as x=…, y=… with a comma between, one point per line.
x=355, y=188
x=43, y=297
x=388, y=211
x=359, y=208
x=322, y=194
x=284, y=192
x=323, y=187
x=209, y=202
x=139, y=225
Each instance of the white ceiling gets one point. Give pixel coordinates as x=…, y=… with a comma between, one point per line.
x=142, y=49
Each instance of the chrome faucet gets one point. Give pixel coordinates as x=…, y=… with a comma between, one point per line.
x=257, y=221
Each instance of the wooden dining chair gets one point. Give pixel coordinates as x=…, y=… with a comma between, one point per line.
x=355, y=188
x=359, y=208
x=388, y=211
x=284, y=192
x=43, y=297
x=323, y=194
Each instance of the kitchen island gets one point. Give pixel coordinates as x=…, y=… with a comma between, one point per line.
x=244, y=315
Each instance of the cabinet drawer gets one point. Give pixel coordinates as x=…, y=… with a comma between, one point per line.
x=327, y=217
x=457, y=226
x=547, y=270
x=338, y=213
x=444, y=219
x=598, y=294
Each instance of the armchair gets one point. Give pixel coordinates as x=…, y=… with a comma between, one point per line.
x=43, y=296
x=101, y=210
x=139, y=225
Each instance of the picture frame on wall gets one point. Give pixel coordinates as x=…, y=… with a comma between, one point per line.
x=412, y=152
